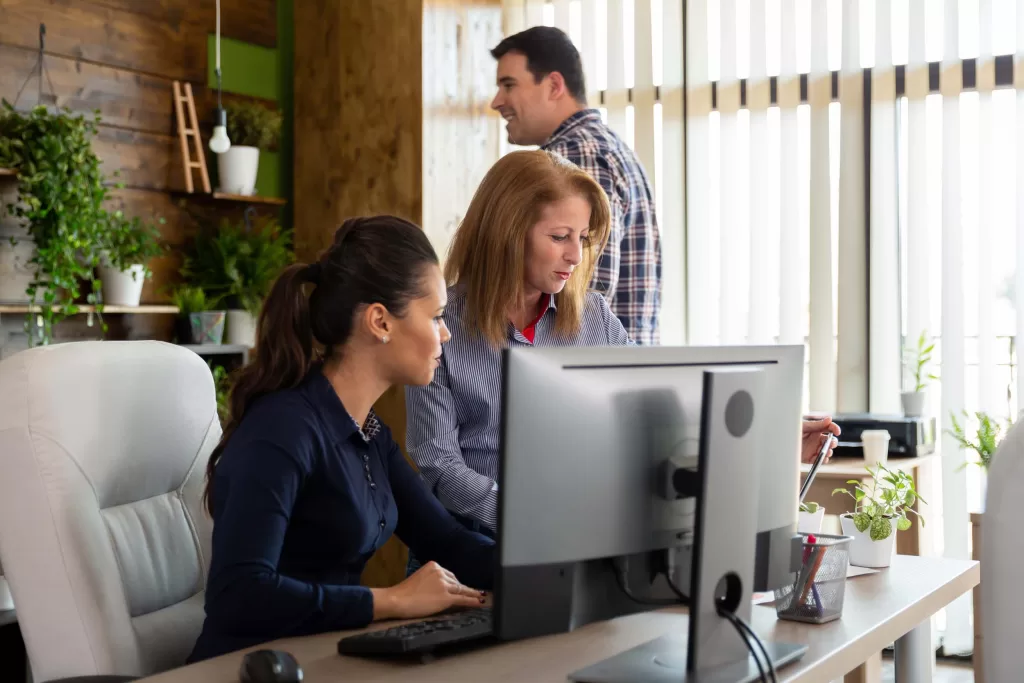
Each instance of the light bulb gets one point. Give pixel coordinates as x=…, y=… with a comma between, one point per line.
x=220, y=143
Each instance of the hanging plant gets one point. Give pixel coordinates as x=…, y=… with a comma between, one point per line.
x=60, y=201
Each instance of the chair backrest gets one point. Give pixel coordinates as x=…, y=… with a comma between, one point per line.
x=1002, y=561
x=103, y=451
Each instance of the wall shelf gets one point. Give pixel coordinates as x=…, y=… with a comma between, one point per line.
x=144, y=309
x=239, y=198
x=217, y=349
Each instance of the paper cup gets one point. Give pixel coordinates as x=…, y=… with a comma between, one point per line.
x=876, y=446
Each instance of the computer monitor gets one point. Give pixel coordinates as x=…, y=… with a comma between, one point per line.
x=600, y=485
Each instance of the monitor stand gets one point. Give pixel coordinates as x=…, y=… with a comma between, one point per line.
x=723, y=554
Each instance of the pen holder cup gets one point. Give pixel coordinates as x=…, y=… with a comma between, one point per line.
x=815, y=593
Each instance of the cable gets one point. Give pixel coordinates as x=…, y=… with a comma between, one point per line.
x=760, y=645
x=732, y=619
x=620, y=578
x=744, y=629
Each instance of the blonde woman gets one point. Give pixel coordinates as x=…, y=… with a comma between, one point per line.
x=518, y=273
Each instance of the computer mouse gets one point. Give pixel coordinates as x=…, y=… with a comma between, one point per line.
x=269, y=666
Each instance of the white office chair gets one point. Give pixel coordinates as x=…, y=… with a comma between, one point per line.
x=1002, y=561
x=103, y=451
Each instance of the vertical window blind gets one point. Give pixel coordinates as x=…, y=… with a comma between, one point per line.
x=848, y=179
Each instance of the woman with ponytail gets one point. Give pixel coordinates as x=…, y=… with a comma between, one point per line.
x=306, y=483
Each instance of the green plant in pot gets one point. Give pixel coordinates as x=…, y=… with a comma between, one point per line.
x=881, y=508
x=199, y=321
x=60, y=197
x=983, y=443
x=238, y=264
x=918, y=363
x=252, y=127
x=128, y=246
x=810, y=518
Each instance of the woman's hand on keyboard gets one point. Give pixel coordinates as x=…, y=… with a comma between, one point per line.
x=430, y=590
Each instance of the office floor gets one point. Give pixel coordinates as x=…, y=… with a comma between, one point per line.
x=945, y=672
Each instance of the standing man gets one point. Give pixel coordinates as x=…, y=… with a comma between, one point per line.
x=542, y=97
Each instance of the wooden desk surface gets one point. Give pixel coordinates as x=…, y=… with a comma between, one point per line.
x=878, y=609
x=853, y=468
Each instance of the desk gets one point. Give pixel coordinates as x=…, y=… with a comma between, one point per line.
x=836, y=473
x=893, y=605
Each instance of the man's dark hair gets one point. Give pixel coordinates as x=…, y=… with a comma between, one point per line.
x=547, y=49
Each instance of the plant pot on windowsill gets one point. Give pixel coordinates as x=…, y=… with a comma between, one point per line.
x=913, y=403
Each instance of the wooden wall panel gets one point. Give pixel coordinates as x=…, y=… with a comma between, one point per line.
x=82, y=30
x=254, y=21
x=124, y=98
x=357, y=83
x=120, y=57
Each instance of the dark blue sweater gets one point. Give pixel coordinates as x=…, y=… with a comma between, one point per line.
x=301, y=502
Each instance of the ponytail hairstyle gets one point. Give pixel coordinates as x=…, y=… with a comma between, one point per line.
x=374, y=260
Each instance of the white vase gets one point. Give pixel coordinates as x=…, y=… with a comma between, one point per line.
x=237, y=169
x=240, y=328
x=867, y=553
x=15, y=273
x=913, y=403
x=122, y=288
x=810, y=522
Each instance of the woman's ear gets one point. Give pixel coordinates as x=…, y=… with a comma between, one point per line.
x=378, y=321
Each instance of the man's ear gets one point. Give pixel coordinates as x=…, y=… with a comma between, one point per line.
x=556, y=85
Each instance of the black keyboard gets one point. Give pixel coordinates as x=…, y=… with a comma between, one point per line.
x=421, y=636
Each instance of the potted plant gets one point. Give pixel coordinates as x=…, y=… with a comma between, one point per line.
x=222, y=385
x=198, y=321
x=251, y=127
x=59, y=204
x=128, y=245
x=919, y=360
x=879, y=512
x=810, y=518
x=983, y=443
x=238, y=264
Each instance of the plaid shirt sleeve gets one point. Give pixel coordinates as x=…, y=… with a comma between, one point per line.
x=590, y=159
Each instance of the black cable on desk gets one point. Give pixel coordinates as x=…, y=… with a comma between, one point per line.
x=744, y=630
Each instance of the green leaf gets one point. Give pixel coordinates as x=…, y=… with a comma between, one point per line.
x=902, y=524
x=881, y=528
x=862, y=521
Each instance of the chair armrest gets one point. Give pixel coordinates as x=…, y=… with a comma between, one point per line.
x=95, y=679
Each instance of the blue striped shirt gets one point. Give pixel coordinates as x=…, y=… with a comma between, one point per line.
x=453, y=424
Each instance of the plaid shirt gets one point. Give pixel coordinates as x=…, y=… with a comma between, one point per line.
x=629, y=270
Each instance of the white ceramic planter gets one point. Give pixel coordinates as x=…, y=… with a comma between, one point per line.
x=810, y=522
x=240, y=328
x=913, y=403
x=15, y=273
x=867, y=553
x=122, y=288
x=237, y=169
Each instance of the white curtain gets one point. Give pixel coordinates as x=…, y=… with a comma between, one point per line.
x=784, y=235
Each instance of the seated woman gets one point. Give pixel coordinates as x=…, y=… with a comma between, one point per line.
x=306, y=483
x=519, y=268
